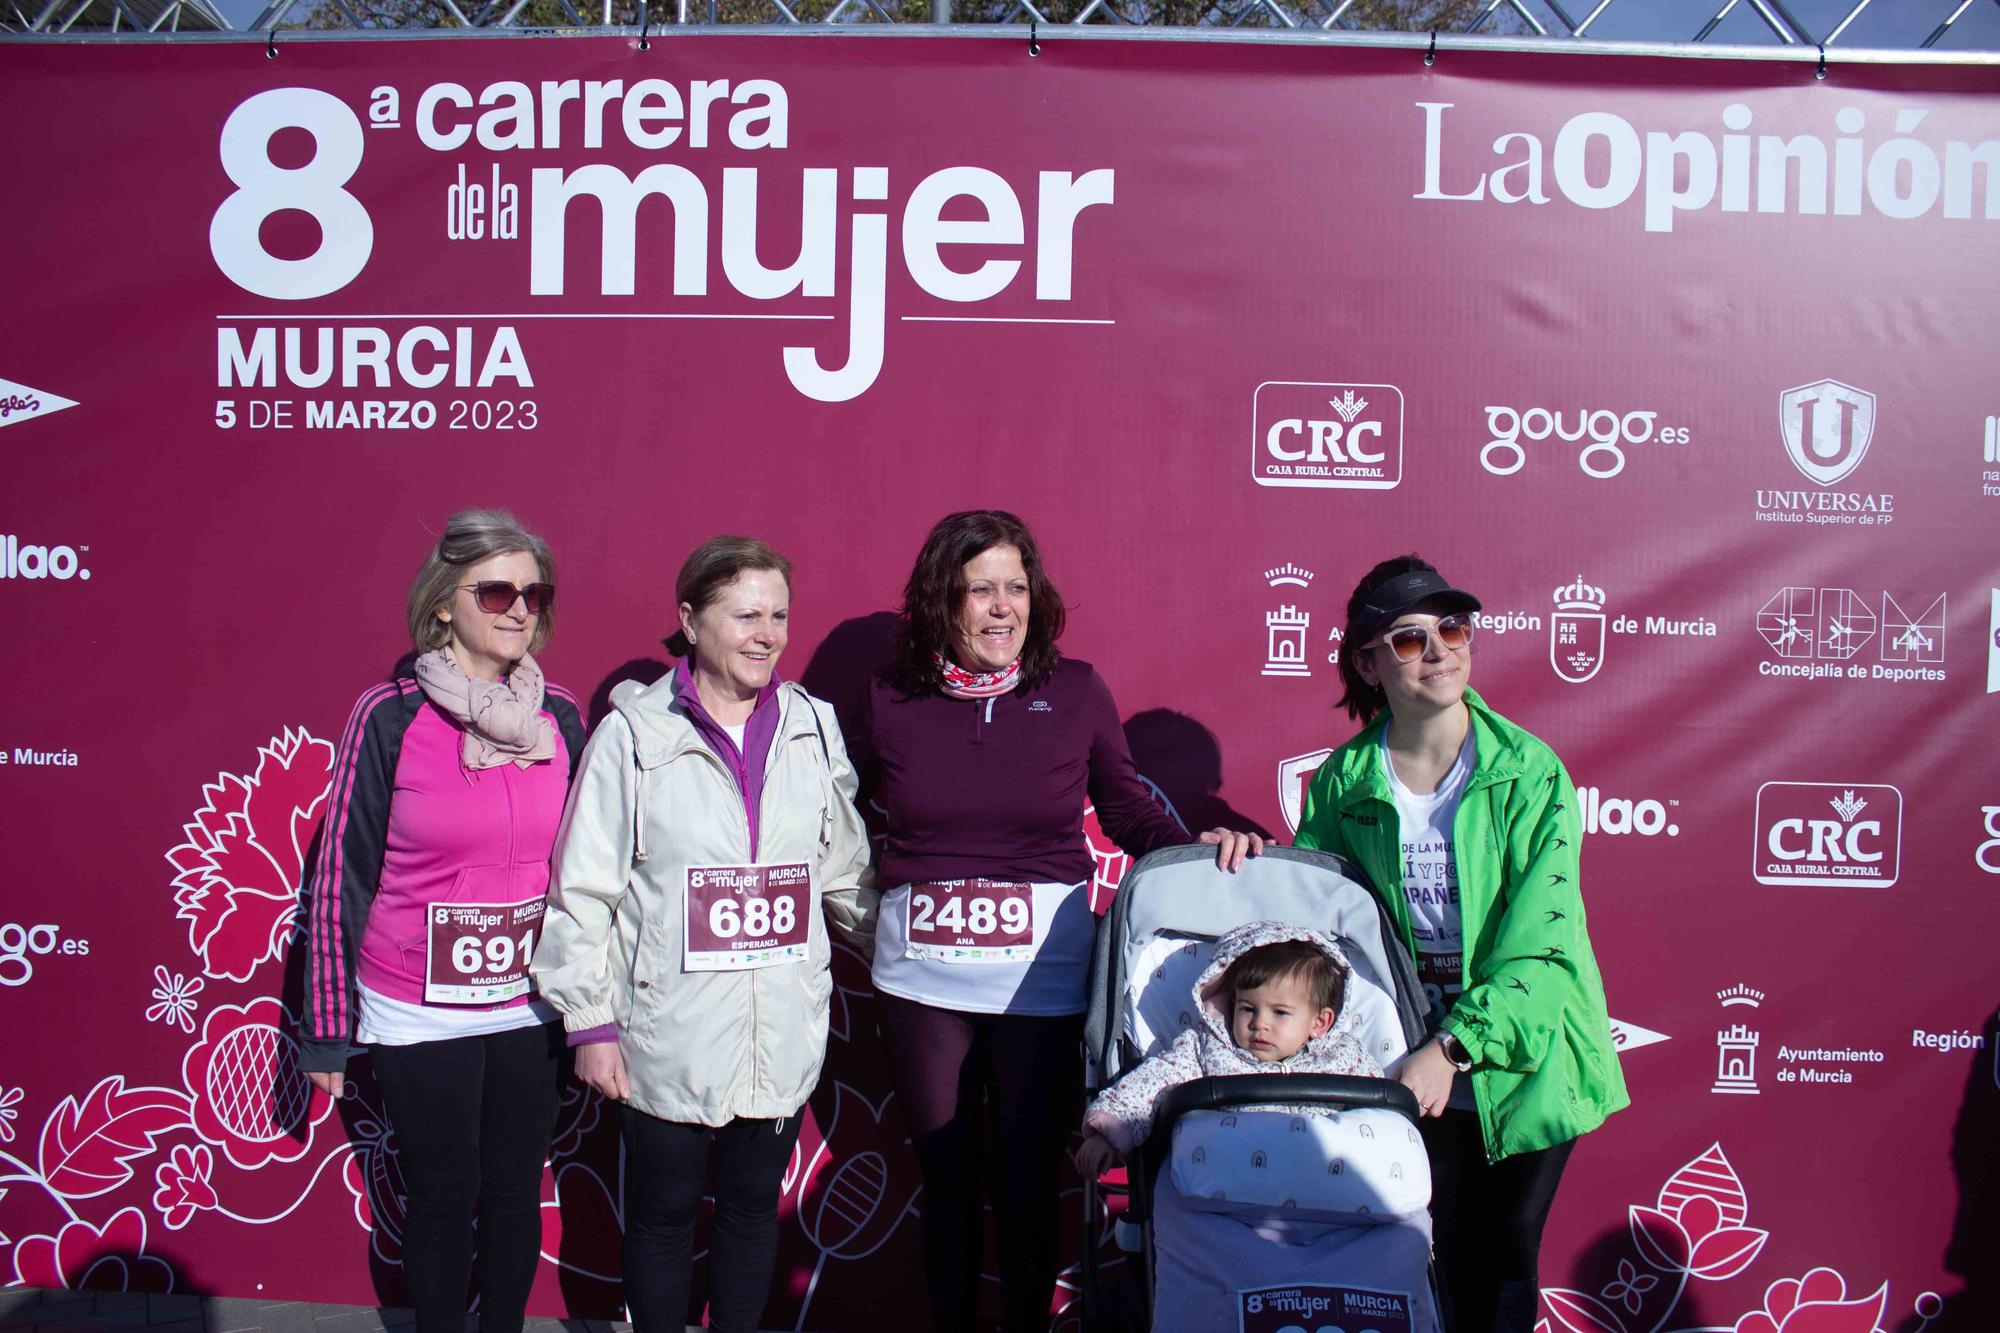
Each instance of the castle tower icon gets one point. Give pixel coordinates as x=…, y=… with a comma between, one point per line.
x=1736, y=1060
x=1285, y=653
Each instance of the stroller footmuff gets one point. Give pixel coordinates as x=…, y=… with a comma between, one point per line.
x=1267, y=1201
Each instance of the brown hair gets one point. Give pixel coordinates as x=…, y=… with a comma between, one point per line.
x=714, y=565
x=1288, y=958
x=470, y=536
x=936, y=590
x=1361, y=699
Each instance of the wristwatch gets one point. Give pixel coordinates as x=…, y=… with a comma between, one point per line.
x=1460, y=1058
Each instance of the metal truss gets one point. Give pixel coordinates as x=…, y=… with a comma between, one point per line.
x=1922, y=23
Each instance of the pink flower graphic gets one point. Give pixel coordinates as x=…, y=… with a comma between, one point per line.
x=1697, y=1227
x=10, y=1107
x=375, y=1178
x=81, y=1256
x=181, y=1185
x=1815, y=1303
x=238, y=872
x=1630, y=1288
x=250, y=1100
x=1111, y=860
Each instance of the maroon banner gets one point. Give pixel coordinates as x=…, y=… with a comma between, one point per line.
x=1684, y=366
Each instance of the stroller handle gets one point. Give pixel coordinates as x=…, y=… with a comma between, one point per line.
x=1218, y=1091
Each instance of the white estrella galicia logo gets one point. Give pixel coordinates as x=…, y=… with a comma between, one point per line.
x=19, y=402
x=1827, y=426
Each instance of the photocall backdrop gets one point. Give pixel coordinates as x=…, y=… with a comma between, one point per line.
x=1684, y=366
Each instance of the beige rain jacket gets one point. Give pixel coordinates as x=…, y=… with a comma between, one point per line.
x=649, y=801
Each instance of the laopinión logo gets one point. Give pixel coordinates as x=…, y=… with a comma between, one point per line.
x=21, y=945
x=1337, y=436
x=1602, y=432
x=19, y=402
x=1826, y=428
x=1822, y=834
x=30, y=560
x=1817, y=633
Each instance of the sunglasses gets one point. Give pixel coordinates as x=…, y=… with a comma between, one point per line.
x=1409, y=642
x=496, y=596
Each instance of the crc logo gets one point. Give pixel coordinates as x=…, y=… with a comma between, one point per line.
x=1340, y=436
x=1604, y=430
x=1827, y=426
x=1615, y=815
x=1822, y=833
x=26, y=560
x=1295, y=775
x=21, y=945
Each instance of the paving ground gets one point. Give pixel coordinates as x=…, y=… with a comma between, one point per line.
x=23, y=1309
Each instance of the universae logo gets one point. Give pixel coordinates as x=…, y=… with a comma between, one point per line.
x=1336, y=436
x=1820, y=834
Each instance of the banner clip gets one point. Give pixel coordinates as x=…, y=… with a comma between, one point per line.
x=1034, y=47
x=271, y=43
x=645, y=24
x=1820, y=73
x=1431, y=56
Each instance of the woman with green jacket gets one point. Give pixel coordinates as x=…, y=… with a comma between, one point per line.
x=1467, y=827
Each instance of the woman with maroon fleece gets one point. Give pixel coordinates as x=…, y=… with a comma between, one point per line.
x=981, y=745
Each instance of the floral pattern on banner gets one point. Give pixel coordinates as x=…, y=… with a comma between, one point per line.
x=1698, y=1230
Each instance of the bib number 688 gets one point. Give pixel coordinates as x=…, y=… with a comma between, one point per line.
x=756, y=918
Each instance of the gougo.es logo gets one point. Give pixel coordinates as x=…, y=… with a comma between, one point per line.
x=21, y=945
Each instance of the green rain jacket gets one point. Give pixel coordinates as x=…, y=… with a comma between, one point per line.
x=1532, y=1014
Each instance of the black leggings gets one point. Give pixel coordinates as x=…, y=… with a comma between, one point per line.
x=666, y=1164
x=1007, y=1088
x=1487, y=1222
x=472, y=1117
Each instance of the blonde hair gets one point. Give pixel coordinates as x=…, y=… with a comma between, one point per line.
x=470, y=536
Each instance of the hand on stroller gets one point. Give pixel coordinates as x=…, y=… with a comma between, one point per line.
x=1095, y=1155
x=1232, y=847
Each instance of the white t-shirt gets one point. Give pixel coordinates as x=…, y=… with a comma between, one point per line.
x=735, y=733
x=1430, y=887
x=391, y=1022
x=1052, y=981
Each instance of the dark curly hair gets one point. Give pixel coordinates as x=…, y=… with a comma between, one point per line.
x=936, y=590
x=1362, y=700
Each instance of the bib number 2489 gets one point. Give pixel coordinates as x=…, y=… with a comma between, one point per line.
x=972, y=921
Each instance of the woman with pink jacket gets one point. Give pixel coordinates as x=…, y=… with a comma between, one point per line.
x=425, y=902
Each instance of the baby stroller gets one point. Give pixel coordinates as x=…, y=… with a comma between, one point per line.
x=1254, y=1221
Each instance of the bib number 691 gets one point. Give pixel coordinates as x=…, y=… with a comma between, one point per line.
x=470, y=958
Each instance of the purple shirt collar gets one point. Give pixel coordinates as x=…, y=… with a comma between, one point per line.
x=747, y=764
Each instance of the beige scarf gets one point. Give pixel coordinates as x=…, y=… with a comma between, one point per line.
x=503, y=721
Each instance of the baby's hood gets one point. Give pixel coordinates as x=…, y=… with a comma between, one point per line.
x=1211, y=1002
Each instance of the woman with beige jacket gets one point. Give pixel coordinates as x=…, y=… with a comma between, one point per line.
x=711, y=821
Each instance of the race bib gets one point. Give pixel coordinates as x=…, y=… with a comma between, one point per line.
x=971, y=921
x=745, y=917
x=1322, y=1309
x=478, y=952
x=1443, y=978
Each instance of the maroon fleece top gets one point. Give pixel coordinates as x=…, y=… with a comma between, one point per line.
x=996, y=787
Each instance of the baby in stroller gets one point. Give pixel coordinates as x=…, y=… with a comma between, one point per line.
x=1277, y=1179
x=1269, y=1002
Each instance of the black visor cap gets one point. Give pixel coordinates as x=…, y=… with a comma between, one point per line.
x=1404, y=594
